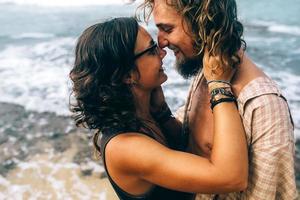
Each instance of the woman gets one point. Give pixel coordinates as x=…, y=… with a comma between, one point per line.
x=117, y=70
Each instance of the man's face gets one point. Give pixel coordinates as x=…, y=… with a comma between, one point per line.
x=173, y=33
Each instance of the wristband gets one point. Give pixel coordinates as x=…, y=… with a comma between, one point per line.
x=227, y=99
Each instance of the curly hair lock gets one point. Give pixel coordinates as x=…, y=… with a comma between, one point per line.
x=213, y=26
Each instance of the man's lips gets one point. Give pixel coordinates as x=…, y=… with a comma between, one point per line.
x=175, y=52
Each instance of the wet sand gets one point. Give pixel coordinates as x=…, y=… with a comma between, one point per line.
x=55, y=177
x=44, y=156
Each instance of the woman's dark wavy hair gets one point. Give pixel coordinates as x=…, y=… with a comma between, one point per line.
x=103, y=57
x=213, y=23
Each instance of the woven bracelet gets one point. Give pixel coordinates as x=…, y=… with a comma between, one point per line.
x=219, y=81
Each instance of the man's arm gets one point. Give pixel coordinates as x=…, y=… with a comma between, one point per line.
x=271, y=152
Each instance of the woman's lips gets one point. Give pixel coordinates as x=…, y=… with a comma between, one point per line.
x=161, y=69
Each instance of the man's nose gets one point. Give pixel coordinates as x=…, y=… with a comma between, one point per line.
x=162, y=40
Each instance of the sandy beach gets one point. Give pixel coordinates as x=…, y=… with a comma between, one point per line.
x=55, y=177
x=43, y=156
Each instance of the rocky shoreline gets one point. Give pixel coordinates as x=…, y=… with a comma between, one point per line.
x=26, y=134
x=44, y=156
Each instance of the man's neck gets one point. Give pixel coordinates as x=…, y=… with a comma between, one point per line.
x=247, y=71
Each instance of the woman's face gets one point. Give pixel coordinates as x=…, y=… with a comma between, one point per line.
x=148, y=60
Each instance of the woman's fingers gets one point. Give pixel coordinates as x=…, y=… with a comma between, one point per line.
x=216, y=69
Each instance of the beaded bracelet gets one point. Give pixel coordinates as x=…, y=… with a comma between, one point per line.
x=224, y=91
x=219, y=95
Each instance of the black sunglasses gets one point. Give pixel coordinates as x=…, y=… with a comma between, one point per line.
x=153, y=46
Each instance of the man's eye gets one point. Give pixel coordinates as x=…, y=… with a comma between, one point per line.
x=167, y=29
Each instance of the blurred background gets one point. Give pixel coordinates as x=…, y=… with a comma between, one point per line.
x=42, y=154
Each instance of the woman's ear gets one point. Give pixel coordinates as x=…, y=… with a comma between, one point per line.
x=127, y=79
x=130, y=78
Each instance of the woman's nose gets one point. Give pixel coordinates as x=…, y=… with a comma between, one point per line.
x=162, y=52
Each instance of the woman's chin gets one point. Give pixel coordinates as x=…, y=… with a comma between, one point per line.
x=164, y=78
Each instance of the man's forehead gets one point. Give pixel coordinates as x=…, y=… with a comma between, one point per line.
x=161, y=5
x=164, y=14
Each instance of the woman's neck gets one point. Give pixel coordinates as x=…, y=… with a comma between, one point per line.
x=142, y=103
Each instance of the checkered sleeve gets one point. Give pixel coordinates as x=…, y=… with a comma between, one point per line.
x=271, y=155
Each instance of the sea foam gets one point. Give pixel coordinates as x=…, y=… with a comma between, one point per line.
x=276, y=27
x=37, y=76
x=33, y=35
x=65, y=3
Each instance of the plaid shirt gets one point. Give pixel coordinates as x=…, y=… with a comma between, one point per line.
x=269, y=130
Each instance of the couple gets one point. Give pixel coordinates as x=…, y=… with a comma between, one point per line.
x=235, y=139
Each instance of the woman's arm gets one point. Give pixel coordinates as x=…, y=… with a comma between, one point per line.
x=137, y=155
x=226, y=171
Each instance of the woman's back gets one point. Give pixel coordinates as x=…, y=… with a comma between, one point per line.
x=155, y=193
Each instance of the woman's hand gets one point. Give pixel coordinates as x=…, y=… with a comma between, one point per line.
x=215, y=69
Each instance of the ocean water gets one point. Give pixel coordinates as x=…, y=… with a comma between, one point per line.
x=37, y=40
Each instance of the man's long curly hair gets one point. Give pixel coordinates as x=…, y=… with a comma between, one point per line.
x=103, y=57
x=213, y=25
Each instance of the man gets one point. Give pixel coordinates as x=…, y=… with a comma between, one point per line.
x=189, y=27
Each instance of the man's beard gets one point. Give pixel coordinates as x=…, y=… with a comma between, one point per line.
x=189, y=67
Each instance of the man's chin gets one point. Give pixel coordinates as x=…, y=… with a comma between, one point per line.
x=188, y=68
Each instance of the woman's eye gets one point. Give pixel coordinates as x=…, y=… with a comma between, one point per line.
x=153, y=51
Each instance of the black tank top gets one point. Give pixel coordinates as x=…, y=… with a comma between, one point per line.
x=156, y=193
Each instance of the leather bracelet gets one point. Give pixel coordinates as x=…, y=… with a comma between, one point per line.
x=227, y=99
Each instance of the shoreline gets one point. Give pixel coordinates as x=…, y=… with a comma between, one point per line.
x=45, y=156
x=57, y=156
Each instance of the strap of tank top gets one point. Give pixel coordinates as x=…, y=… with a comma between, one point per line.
x=107, y=135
